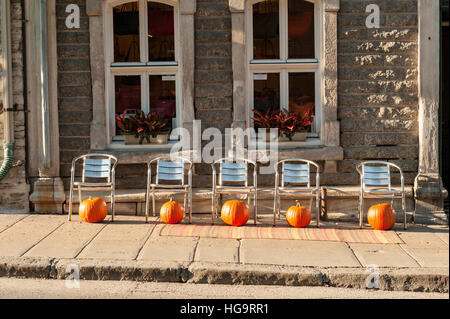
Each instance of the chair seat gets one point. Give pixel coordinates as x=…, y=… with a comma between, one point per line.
x=234, y=189
x=168, y=186
x=297, y=189
x=92, y=184
x=383, y=192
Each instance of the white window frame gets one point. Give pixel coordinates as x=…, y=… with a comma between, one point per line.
x=144, y=68
x=284, y=66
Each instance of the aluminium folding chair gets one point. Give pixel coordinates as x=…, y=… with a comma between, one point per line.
x=233, y=179
x=98, y=174
x=296, y=181
x=376, y=183
x=170, y=177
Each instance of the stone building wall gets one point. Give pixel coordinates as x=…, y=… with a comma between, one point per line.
x=14, y=189
x=378, y=103
x=378, y=97
x=74, y=86
x=213, y=70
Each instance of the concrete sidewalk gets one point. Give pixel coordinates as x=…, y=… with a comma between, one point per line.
x=42, y=246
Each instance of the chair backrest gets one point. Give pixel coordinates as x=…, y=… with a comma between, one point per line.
x=376, y=175
x=234, y=170
x=97, y=166
x=170, y=171
x=295, y=174
x=297, y=171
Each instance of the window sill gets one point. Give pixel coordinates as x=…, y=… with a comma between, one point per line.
x=310, y=142
x=121, y=146
x=310, y=150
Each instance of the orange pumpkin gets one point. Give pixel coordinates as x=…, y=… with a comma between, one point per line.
x=298, y=216
x=235, y=213
x=381, y=217
x=171, y=212
x=93, y=210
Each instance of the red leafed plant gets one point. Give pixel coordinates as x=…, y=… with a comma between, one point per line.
x=287, y=123
x=140, y=125
x=126, y=123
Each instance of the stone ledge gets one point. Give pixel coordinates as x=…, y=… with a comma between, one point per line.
x=199, y=194
x=391, y=279
x=313, y=153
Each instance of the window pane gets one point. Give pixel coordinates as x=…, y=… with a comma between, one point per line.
x=161, y=40
x=126, y=32
x=128, y=94
x=163, y=96
x=301, y=29
x=302, y=92
x=266, y=92
x=266, y=30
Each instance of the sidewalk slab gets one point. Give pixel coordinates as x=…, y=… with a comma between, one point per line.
x=422, y=239
x=180, y=249
x=429, y=257
x=68, y=240
x=217, y=250
x=382, y=255
x=20, y=237
x=7, y=220
x=121, y=239
x=297, y=253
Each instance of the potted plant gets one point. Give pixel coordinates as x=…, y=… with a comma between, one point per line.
x=143, y=129
x=127, y=123
x=266, y=121
x=292, y=126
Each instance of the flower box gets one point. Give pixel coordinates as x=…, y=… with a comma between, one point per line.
x=159, y=139
x=298, y=137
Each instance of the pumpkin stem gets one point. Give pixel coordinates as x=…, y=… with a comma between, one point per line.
x=298, y=203
x=171, y=199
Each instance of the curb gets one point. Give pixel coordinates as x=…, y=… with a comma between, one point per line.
x=391, y=279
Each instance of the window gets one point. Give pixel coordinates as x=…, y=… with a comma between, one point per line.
x=284, y=57
x=142, y=60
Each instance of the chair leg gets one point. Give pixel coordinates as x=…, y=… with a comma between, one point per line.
x=279, y=207
x=153, y=202
x=79, y=196
x=113, y=206
x=255, y=208
x=219, y=205
x=70, y=202
x=404, y=211
x=361, y=212
x=190, y=205
x=318, y=209
x=185, y=202
x=275, y=208
x=213, y=208
x=147, y=205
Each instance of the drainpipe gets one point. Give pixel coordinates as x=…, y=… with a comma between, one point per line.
x=8, y=110
x=44, y=86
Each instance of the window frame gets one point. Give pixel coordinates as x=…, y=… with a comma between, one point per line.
x=144, y=68
x=284, y=65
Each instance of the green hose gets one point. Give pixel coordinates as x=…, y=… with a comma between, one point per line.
x=8, y=160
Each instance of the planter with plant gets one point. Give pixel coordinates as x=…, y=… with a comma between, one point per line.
x=143, y=129
x=292, y=126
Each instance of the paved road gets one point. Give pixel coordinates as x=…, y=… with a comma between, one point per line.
x=37, y=288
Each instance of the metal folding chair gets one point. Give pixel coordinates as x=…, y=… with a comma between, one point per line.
x=233, y=172
x=98, y=175
x=296, y=181
x=376, y=183
x=170, y=177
